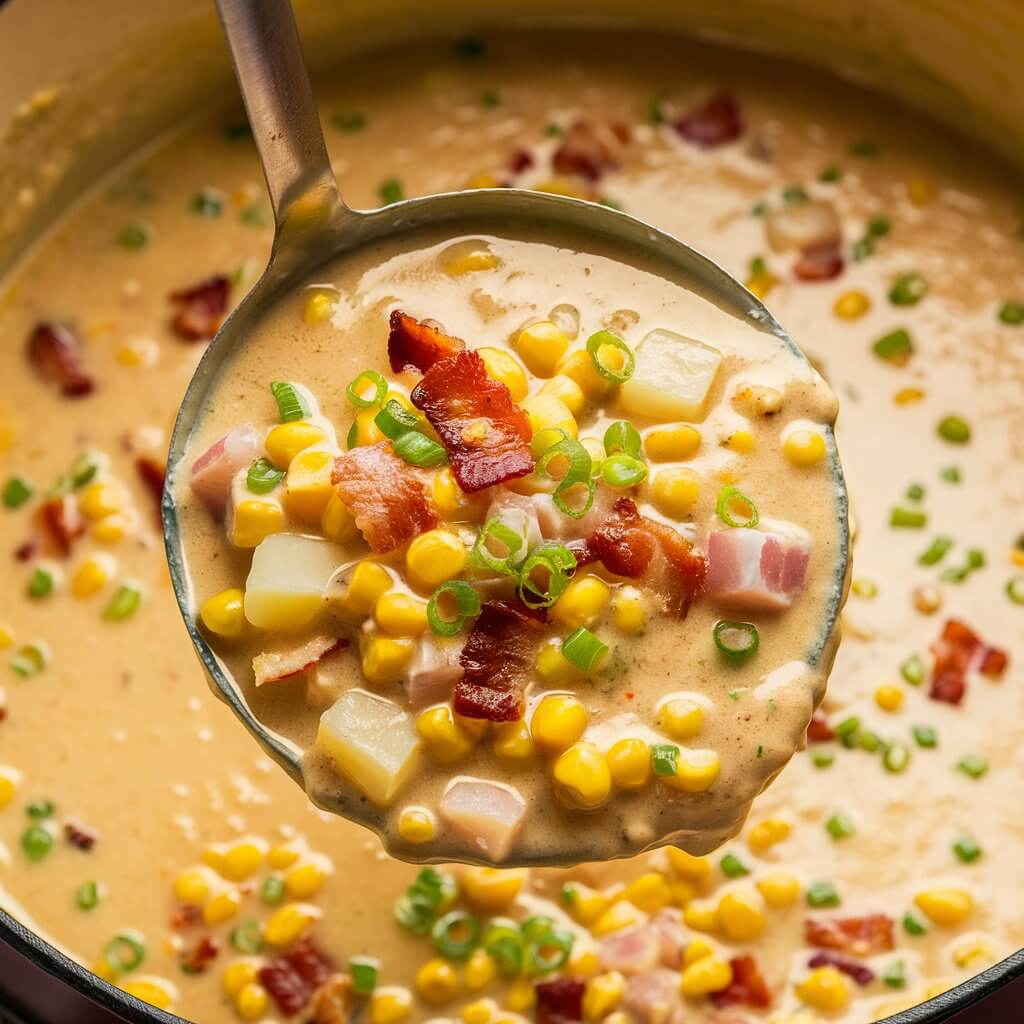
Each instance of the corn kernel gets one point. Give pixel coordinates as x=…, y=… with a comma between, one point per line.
x=973, y=952
x=104, y=970
x=579, y=366
x=696, y=771
x=223, y=614
x=558, y=722
x=825, y=989
x=289, y=922
x=252, y=1001
x=503, y=367
x=740, y=441
x=6, y=637
x=618, y=916
x=390, y=1005
x=91, y=576
x=554, y=669
x=400, y=614
x=704, y=976
x=192, y=886
x=584, y=965
x=385, y=658
x=480, y=970
x=548, y=415
x=767, y=833
x=696, y=949
x=308, y=487
x=936, y=988
x=681, y=718
x=674, y=492
x=582, y=603
x=100, y=499
x=582, y=777
x=851, y=305
x=541, y=346
x=253, y=521
x=483, y=180
x=319, y=307
x=492, y=888
x=242, y=860
x=281, y=857
x=908, y=396
x=222, y=907
x=416, y=825
x=286, y=440
x=740, y=915
x=560, y=187
x=760, y=285
x=585, y=905
x=520, y=995
x=889, y=697
x=336, y=522
x=804, y=447
x=779, y=890
x=434, y=558
x=672, y=444
x=368, y=583
x=920, y=191
x=468, y=257
x=649, y=892
x=237, y=975
x=682, y=892
x=629, y=612
x=629, y=762
x=513, y=742
x=155, y=991
x=602, y=994
x=481, y=1011
x=945, y=907
x=687, y=866
x=757, y=400
x=9, y=779
x=444, y=739
x=364, y=430
x=111, y=529
x=304, y=882
x=567, y=390
x=437, y=981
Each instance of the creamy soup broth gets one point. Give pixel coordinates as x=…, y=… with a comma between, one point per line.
x=902, y=812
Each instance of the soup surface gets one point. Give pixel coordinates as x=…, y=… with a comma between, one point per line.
x=144, y=832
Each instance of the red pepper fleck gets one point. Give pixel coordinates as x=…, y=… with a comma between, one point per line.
x=560, y=1000
x=80, y=835
x=55, y=353
x=630, y=695
x=520, y=160
x=713, y=123
x=200, y=956
x=184, y=916
x=199, y=310
x=25, y=552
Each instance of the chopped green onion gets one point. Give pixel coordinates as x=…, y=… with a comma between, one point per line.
x=954, y=429
x=391, y=191
x=40, y=583
x=951, y=474
x=822, y=894
x=1015, y=589
x=862, y=248
x=489, y=99
x=895, y=347
x=503, y=940
x=973, y=765
x=967, y=849
x=417, y=908
x=831, y=174
x=736, y=640
x=848, y=728
x=291, y=403
x=349, y=121
x=869, y=741
x=912, y=926
x=840, y=826
x=40, y=809
x=794, y=194
x=247, y=937
x=577, y=473
x=896, y=757
x=352, y=437
x=664, y=757
x=30, y=660
x=925, y=735
x=418, y=450
x=623, y=437
x=570, y=894
x=915, y=492
x=87, y=895
x=467, y=606
x=84, y=469
x=552, y=558
x=456, y=934
x=1012, y=313
x=535, y=926
x=908, y=518
x=975, y=560
x=394, y=419
x=356, y=390
x=759, y=209
x=728, y=499
x=908, y=289
x=866, y=148
x=895, y=975
x=208, y=202
x=758, y=267
x=822, y=758
x=363, y=971
x=548, y=951
x=125, y=951
x=935, y=551
x=879, y=227
x=913, y=670
x=483, y=555
x=263, y=476
x=623, y=471
x=36, y=841
x=17, y=491
x=607, y=339
x=134, y=236
x=733, y=867
x=582, y=649
x=255, y=215
x=124, y=604
x=272, y=890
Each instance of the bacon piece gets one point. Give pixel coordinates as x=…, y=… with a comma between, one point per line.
x=818, y=730
x=634, y=950
x=858, y=936
x=859, y=972
x=199, y=310
x=653, y=998
x=958, y=652
x=590, y=150
x=819, y=263
x=59, y=524
x=495, y=660
x=200, y=956
x=712, y=123
x=758, y=570
x=747, y=988
x=56, y=355
x=80, y=836
x=520, y=160
x=560, y=1000
x=418, y=344
x=488, y=815
x=387, y=497
x=278, y=665
x=212, y=473
x=152, y=474
x=487, y=436
x=332, y=1001
x=185, y=915
x=293, y=977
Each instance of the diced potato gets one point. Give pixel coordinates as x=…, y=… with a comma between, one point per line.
x=487, y=814
x=672, y=379
x=372, y=742
x=288, y=580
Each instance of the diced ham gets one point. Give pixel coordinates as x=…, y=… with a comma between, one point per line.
x=804, y=226
x=560, y=1001
x=958, y=652
x=278, y=665
x=672, y=936
x=487, y=436
x=199, y=310
x=818, y=730
x=387, y=497
x=415, y=345
x=556, y=525
x=433, y=671
x=55, y=354
x=712, y=123
x=654, y=998
x=634, y=950
x=858, y=936
x=487, y=814
x=758, y=570
x=59, y=524
x=212, y=473
x=851, y=968
x=747, y=988
x=590, y=150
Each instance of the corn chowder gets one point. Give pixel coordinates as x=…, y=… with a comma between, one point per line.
x=142, y=831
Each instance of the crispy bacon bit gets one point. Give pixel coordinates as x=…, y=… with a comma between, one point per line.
x=332, y=1001
x=560, y=1000
x=387, y=497
x=185, y=915
x=747, y=987
x=292, y=978
x=712, y=123
x=278, y=665
x=199, y=310
x=957, y=652
x=80, y=835
x=487, y=436
x=59, y=524
x=590, y=150
x=152, y=474
x=858, y=936
x=628, y=544
x=26, y=551
x=200, y=956
x=418, y=344
x=819, y=263
x=859, y=972
x=520, y=160
x=56, y=355
x=818, y=730
x=495, y=660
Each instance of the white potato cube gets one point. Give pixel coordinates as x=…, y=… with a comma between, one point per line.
x=288, y=580
x=372, y=742
x=488, y=815
x=672, y=379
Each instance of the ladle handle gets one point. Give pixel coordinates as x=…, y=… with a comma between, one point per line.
x=267, y=56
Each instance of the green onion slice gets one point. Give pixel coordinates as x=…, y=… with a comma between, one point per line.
x=895, y=347
x=40, y=809
x=418, y=450
x=908, y=289
x=394, y=420
x=822, y=894
x=728, y=499
x=467, y=606
x=124, y=604
x=36, y=842
x=733, y=867
x=896, y=757
x=736, y=640
x=40, y=583
x=456, y=934
x=364, y=971
x=912, y=670
x=623, y=470
x=1015, y=589
x=30, y=660
x=907, y=518
x=623, y=437
x=582, y=649
x=496, y=532
x=607, y=339
x=664, y=757
x=247, y=937
x=912, y=926
x=417, y=909
x=577, y=473
x=553, y=560
x=954, y=429
x=548, y=951
x=272, y=890
x=125, y=951
x=87, y=895
x=291, y=403
x=358, y=388
x=263, y=476
x=84, y=469
x=935, y=551
x=973, y=765
x=504, y=941
x=17, y=491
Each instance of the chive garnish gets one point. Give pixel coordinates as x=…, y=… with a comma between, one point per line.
x=583, y=650
x=364, y=971
x=391, y=191
x=247, y=937
x=954, y=429
x=622, y=471
x=125, y=951
x=419, y=450
x=40, y=583
x=794, y=194
x=822, y=894
x=831, y=174
x=394, y=419
x=17, y=491
x=967, y=849
x=622, y=437
x=935, y=551
x=547, y=948
x=272, y=890
x=124, y=604
x=263, y=476
x=208, y=202
x=356, y=391
x=879, y=227
x=868, y=741
x=912, y=926
x=134, y=236
x=907, y=518
x=1012, y=313
x=577, y=461
x=664, y=758
x=896, y=757
x=822, y=758
x=36, y=842
x=896, y=347
x=503, y=940
x=957, y=574
x=1015, y=589
x=925, y=735
x=895, y=975
x=951, y=474
x=973, y=765
x=456, y=934
x=30, y=660
x=840, y=826
x=467, y=606
x=908, y=289
x=40, y=809
x=291, y=403
x=553, y=560
x=509, y=541
x=915, y=492
x=733, y=867
x=418, y=907
x=87, y=895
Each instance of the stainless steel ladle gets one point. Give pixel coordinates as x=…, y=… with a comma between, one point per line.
x=313, y=225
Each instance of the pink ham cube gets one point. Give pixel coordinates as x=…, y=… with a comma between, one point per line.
x=758, y=570
x=631, y=950
x=488, y=815
x=214, y=470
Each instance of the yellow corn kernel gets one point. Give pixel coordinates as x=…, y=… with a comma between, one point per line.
x=579, y=366
x=513, y=742
x=585, y=905
x=111, y=529
x=629, y=612
x=237, y=975
x=434, y=558
x=155, y=991
x=889, y=697
x=672, y=444
x=779, y=889
x=320, y=306
x=336, y=522
x=492, y=888
x=390, y=1005
x=368, y=583
x=558, y=722
x=920, y=191
x=687, y=866
x=584, y=965
x=364, y=430
x=674, y=492
x=286, y=440
x=192, y=886
x=400, y=614
x=682, y=892
x=503, y=367
x=945, y=907
x=290, y=922
x=385, y=658
x=520, y=995
x=480, y=970
x=618, y=916
x=541, y=346
x=483, y=180
x=252, y=1001
x=629, y=762
x=602, y=994
x=936, y=988
x=582, y=603
x=804, y=447
x=452, y=501
x=481, y=1011
x=851, y=305
x=681, y=718
x=304, y=882
x=740, y=441
x=649, y=892
x=700, y=915
x=9, y=779
x=308, y=487
x=767, y=833
x=696, y=949
x=222, y=907
x=908, y=396
x=825, y=989
x=1016, y=557
x=582, y=777
x=696, y=771
x=553, y=668
x=281, y=857
x=91, y=576
x=416, y=825
x=972, y=952
x=6, y=637
x=757, y=400
x=704, y=976
x=740, y=915
x=255, y=520
x=468, y=257
x=560, y=187
x=223, y=614
x=566, y=389
x=100, y=499
x=444, y=739
x=437, y=981
x=242, y=860
x=548, y=415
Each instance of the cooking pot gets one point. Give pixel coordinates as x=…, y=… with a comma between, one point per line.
x=108, y=75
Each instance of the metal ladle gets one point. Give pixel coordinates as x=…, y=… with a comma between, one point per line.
x=314, y=225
